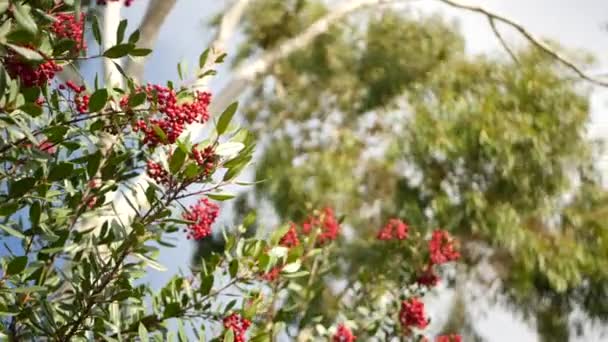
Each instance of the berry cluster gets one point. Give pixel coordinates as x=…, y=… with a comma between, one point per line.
x=203, y=214
x=68, y=27
x=31, y=75
x=205, y=158
x=158, y=173
x=442, y=248
x=273, y=274
x=290, y=239
x=343, y=335
x=412, y=314
x=395, y=228
x=327, y=223
x=81, y=99
x=238, y=325
x=428, y=277
x=449, y=338
x=173, y=114
x=105, y=2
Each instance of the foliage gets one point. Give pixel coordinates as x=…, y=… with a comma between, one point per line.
x=72, y=268
x=386, y=116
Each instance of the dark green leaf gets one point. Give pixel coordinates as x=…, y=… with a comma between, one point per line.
x=206, y=284
x=21, y=187
x=120, y=33
x=16, y=265
x=96, y=30
x=119, y=50
x=141, y=52
x=60, y=171
x=177, y=160
x=32, y=109
x=94, y=160
x=137, y=99
x=35, y=211
x=226, y=117
x=220, y=58
x=172, y=310
x=98, y=100
x=134, y=37
x=3, y=81
x=233, y=268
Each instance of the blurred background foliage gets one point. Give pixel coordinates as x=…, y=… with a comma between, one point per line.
x=387, y=111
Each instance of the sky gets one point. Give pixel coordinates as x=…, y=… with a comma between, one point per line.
x=574, y=24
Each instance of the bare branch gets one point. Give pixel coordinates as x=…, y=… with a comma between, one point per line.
x=157, y=12
x=245, y=74
x=502, y=40
x=529, y=36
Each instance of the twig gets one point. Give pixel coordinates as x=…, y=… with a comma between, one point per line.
x=502, y=40
x=530, y=37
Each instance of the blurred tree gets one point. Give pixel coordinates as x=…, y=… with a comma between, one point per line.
x=385, y=110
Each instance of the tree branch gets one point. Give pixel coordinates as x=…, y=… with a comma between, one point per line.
x=529, y=36
x=245, y=74
x=157, y=12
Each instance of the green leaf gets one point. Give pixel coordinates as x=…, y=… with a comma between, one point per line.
x=16, y=265
x=35, y=211
x=119, y=50
x=152, y=263
x=292, y=268
x=143, y=333
x=221, y=196
x=229, y=336
x=32, y=109
x=96, y=30
x=11, y=231
x=202, y=60
x=134, y=37
x=220, y=58
x=177, y=160
x=98, y=100
x=120, y=32
x=229, y=149
x=23, y=18
x=3, y=81
x=206, y=284
x=93, y=162
x=60, y=171
x=226, y=117
x=21, y=187
x=26, y=53
x=233, y=268
x=160, y=133
x=294, y=275
x=29, y=289
x=140, y=52
x=137, y=99
x=63, y=45
x=171, y=310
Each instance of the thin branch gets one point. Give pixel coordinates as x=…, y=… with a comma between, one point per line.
x=502, y=40
x=530, y=37
x=157, y=12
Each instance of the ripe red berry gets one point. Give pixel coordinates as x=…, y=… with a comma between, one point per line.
x=343, y=335
x=238, y=325
x=203, y=214
x=441, y=247
x=412, y=314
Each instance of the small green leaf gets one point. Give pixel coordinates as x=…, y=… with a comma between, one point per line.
x=143, y=333
x=98, y=100
x=134, y=37
x=202, y=60
x=32, y=109
x=229, y=336
x=177, y=160
x=226, y=117
x=206, y=284
x=35, y=211
x=119, y=50
x=60, y=171
x=96, y=30
x=221, y=196
x=11, y=231
x=160, y=133
x=220, y=58
x=29, y=289
x=120, y=32
x=93, y=162
x=16, y=265
x=233, y=268
x=228, y=149
x=26, y=53
x=137, y=99
x=152, y=263
x=140, y=52
x=21, y=187
x=24, y=19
